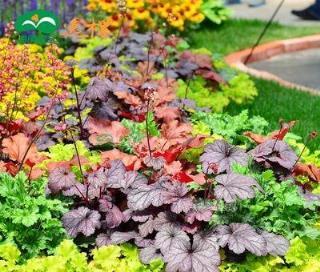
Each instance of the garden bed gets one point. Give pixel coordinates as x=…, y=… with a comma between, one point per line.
x=117, y=155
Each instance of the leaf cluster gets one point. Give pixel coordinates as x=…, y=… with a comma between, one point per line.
x=302, y=256
x=229, y=127
x=67, y=257
x=280, y=208
x=27, y=217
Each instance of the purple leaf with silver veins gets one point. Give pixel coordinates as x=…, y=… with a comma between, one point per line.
x=195, y=257
x=81, y=220
x=219, y=157
x=233, y=186
x=61, y=178
x=169, y=236
x=241, y=237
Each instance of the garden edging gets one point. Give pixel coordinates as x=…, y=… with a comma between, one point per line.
x=271, y=49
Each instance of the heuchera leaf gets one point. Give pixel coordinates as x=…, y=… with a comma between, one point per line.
x=122, y=237
x=168, y=236
x=182, y=177
x=115, y=174
x=103, y=239
x=81, y=220
x=146, y=195
x=165, y=219
x=61, y=178
x=148, y=254
x=147, y=227
x=17, y=147
x=232, y=186
x=98, y=89
x=113, y=217
x=219, y=157
x=275, y=152
x=177, y=197
x=97, y=178
x=276, y=244
x=199, y=212
x=241, y=237
x=200, y=256
x=81, y=191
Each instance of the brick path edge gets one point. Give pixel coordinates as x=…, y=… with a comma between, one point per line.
x=268, y=50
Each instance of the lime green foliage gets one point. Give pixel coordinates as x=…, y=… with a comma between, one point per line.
x=279, y=208
x=215, y=11
x=137, y=132
x=119, y=259
x=90, y=45
x=307, y=156
x=202, y=95
x=229, y=127
x=66, y=152
x=302, y=256
x=68, y=258
x=27, y=217
x=240, y=89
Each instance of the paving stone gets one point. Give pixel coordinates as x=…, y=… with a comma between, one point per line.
x=264, y=12
x=302, y=67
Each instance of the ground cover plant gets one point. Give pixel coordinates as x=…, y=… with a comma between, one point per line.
x=274, y=101
x=127, y=162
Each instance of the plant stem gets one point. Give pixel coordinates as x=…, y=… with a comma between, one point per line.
x=78, y=105
x=35, y=138
x=147, y=127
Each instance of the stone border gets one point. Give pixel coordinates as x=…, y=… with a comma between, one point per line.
x=268, y=50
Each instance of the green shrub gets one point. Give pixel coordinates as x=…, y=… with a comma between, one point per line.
x=27, y=217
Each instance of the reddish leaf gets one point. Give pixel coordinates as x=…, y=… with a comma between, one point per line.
x=17, y=147
x=170, y=155
x=278, y=134
x=129, y=98
x=175, y=131
x=134, y=117
x=114, y=130
x=182, y=177
x=130, y=161
x=167, y=113
x=309, y=170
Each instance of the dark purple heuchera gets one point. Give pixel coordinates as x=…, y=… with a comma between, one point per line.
x=219, y=157
x=233, y=186
x=162, y=217
x=275, y=153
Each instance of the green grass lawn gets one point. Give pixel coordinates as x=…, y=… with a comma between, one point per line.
x=274, y=101
x=237, y=34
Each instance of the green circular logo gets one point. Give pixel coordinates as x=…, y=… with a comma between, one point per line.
x=37, y=26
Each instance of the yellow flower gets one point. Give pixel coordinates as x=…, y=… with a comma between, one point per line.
x=197, y=18
x=135, y=4
x=141, y=14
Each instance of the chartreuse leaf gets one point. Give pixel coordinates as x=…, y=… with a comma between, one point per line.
x=9, y=252
x=202, y=95
x=68, y=258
